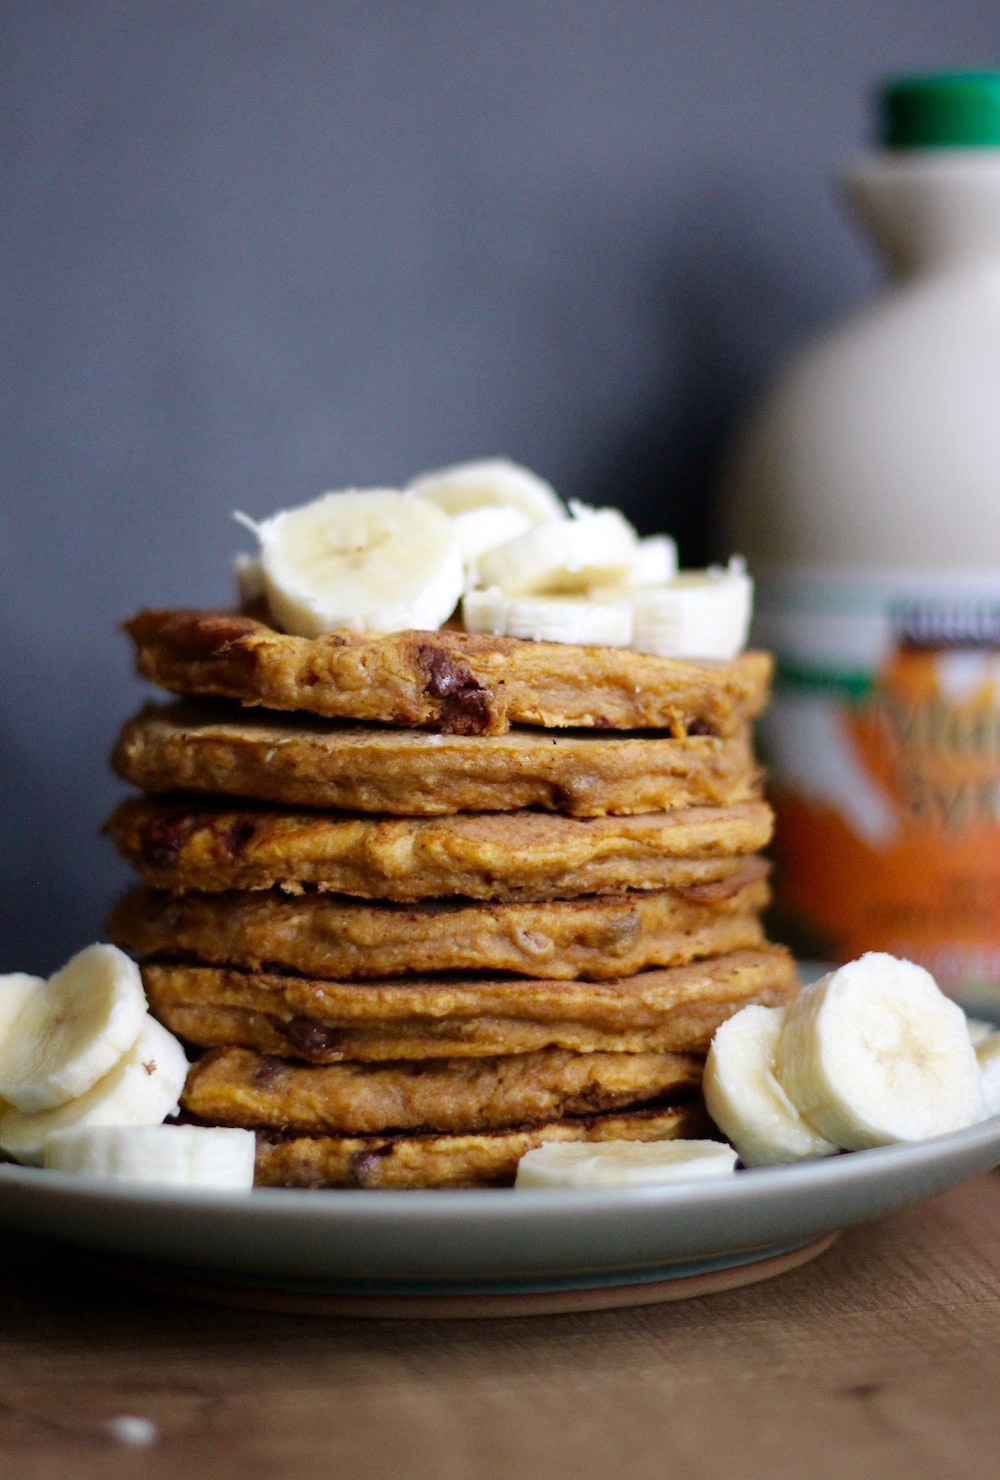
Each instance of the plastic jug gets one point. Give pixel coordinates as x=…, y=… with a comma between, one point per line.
x=865, y=490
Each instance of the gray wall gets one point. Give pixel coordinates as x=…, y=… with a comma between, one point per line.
x=254, y=250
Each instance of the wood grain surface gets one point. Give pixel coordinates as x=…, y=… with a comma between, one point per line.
x=880, y=1359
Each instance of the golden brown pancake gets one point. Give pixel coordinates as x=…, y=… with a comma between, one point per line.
x=303, y=761
x=178, y=845
x=328, y=936
x=454, y=682
x=235, y=1086
x=486, y=1160
x=676, y=1010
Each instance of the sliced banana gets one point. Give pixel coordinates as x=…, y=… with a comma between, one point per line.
x=484, y=529
x=744, y=1098
x=874, y=1053
x=489, y=483
x=369, y=560
x=698, y=614
x=249, y=574
x=977, y=1030
x=142, y=1089
x=485, y=612
x=15, y=989
x=574, y=619
x=178, y=1155
x=594, y=547
x=622, y=1163
x=654, y=562
x=988, y=1058
x=72, y=1030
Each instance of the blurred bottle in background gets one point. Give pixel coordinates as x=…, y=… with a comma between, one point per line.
x=865, y=490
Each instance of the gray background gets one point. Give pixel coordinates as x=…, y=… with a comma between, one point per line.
x=252, y=251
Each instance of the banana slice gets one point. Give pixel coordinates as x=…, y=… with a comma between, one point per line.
x=484, y=529
x=72, y=1030
x=874, y=1053
x=490, y=483
x=370, y=560
x=15, y=989
x=988, y=1058
x=977, y=1030
x=249, y=574
x=178, y=1155
x=654, y=562
x=622, y=1163
x=574, y=619
x=595, y=547
x=744, y=1098
x=699, y=614
x=485, y=612
x=142, y=1089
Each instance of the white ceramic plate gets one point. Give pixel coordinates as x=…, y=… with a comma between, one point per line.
x=490, y=1242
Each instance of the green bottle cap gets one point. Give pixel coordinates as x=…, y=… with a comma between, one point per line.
x=958, y=110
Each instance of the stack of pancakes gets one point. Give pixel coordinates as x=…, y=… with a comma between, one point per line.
x=429, y=899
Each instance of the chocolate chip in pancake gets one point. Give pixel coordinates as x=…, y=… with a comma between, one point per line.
x=454, y=682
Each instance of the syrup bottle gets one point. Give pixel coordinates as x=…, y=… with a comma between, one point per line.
x=865, y=491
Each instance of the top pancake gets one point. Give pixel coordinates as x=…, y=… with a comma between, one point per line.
x=454, y=682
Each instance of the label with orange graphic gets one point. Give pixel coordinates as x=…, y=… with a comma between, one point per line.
x=883, y=743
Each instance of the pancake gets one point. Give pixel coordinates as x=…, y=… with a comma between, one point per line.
x=328, y=936
x=485, y=1160
x=234, y=1086
x=302, y=761
x=455, y=682
x=180, y=845
x=676, y=1010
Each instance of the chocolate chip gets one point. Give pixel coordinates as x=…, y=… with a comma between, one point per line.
x=162, y=841
x=237, y=835
x=267, y=1072
x=463, y=707
x=311, y=1038
x=443, y=675
x=363, y=1164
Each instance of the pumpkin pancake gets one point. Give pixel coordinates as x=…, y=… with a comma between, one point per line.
x=676, y=1010
x=180, y=845
x=455, y=682
x=303, y=761
x=485, y=1160
x=328, y=936
x=235, y=1086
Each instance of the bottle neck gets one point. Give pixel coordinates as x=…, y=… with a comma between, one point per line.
x=931, y=210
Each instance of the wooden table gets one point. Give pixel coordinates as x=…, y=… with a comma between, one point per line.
x=880, y=1359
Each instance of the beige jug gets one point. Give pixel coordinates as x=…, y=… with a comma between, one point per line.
x=865, y=490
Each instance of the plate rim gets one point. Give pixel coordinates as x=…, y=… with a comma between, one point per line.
x=432, y=1242
x=509, y=1204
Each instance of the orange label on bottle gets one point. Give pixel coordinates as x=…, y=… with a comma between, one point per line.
x=886, y=784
